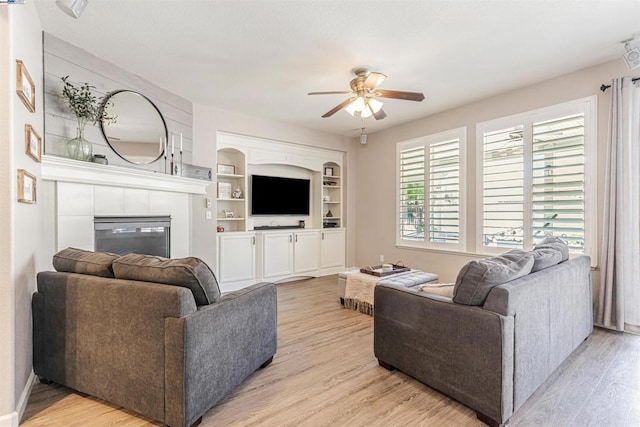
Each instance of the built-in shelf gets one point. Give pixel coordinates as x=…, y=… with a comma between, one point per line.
x=229, y=200
x=67, y=170
x=230, y=219
x=330, y=176
x=330, y=217
x=229, y=175
x=331, y=186
x=332, y=203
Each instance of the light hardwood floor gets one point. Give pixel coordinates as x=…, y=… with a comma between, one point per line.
x=325, y=374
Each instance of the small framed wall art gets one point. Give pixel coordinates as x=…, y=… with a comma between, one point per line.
x=224, y=190
x=25, y=87
x=226, y=169
x=32, y=143
x=328, y=171
x=26, y=187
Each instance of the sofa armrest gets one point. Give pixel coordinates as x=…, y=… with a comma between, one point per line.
x=210, y=352
x=463, y=351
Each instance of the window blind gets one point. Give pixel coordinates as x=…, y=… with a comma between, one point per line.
x=444, y=192
x=412, y=200
x=503, y=188
x=558, y=178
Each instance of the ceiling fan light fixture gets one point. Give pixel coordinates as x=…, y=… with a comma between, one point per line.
x=374, y=104
x=351, y=109
x=73, y=8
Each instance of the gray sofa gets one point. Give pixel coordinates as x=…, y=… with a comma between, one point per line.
x=167, y=352
x=493, y=353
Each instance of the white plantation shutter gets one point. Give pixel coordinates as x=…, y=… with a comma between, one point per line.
x=430, y=177
x=444, y=192
x=533, y=175
x=503, y=188
x=412, y=193
x=559, y=180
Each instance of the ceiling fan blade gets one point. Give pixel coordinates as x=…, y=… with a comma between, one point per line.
x=330, y=93
x=373, y=80
x=407, y=96
x=380, y=114
x=338, y=107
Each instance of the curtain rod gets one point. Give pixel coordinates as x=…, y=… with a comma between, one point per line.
x=605, y=87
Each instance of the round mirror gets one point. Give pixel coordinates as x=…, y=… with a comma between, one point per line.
x=139, y=133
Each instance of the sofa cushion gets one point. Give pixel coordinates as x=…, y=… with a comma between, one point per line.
x=72, y=260
x=555, y=243
x=476, y=279
x=192, y=273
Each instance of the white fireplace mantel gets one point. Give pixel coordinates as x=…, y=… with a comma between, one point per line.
x=67, y=170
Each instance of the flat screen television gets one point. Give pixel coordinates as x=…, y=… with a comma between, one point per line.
x=271, y=195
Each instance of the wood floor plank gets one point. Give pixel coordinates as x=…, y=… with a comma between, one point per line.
x=325, y=374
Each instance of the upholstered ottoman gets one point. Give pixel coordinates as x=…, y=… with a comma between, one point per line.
x=410, y=279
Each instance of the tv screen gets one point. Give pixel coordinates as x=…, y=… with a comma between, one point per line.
x=272, y=195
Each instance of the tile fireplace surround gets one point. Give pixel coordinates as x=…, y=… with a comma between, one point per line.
x=74, y=192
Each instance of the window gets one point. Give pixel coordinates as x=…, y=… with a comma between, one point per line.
x=535, y=172
x=430, y=191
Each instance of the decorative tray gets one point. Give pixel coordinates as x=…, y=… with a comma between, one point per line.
x=376, y=270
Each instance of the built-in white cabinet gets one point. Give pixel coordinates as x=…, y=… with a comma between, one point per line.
x=332, y=244
x=306, y=253
x=277, y=255
x=257, y=247
x=236, y=260
x=287, y=254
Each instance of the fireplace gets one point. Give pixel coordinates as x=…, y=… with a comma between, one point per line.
x=149, y=235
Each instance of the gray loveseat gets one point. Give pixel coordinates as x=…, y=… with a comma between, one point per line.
x=167, y=352
x=489, y=353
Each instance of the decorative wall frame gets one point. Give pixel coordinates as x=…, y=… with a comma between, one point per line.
x=226, y=169
x=328, y=171
x=32, y=143
x=25, y=88
x=27, y=184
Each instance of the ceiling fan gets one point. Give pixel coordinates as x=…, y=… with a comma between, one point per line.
x=363, y=102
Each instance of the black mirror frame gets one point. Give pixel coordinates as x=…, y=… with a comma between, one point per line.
x=164, y=123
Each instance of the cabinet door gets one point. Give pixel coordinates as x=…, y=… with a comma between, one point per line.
x=332, y=249
x=237, y=254
x=306, y=257
x=277, y=253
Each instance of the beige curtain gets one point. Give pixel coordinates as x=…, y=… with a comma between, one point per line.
x=619, y=295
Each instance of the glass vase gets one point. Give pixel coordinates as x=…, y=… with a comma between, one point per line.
x=79, y=148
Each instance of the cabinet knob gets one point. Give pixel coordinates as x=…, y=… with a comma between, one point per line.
x=290, y=239
x=323, y=235
x=253, y=240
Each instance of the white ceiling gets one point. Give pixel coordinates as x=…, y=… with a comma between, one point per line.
x=262, y=57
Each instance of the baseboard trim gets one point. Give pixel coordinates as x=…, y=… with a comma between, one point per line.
x=24, y=397
x=9, y=420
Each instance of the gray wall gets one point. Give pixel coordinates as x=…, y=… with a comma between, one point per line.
x=63, y=59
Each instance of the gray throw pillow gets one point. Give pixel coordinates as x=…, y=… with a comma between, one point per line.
x=545, y=258
x=555, y=243
x=72, y=260
x=477, y=278
x=192, y=273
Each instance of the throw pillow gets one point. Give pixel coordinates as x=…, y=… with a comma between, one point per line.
x=192, y=273
x=555, y=243
x=545, y=258
x=442, y=289
x=72, y=260
x=477, y=278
